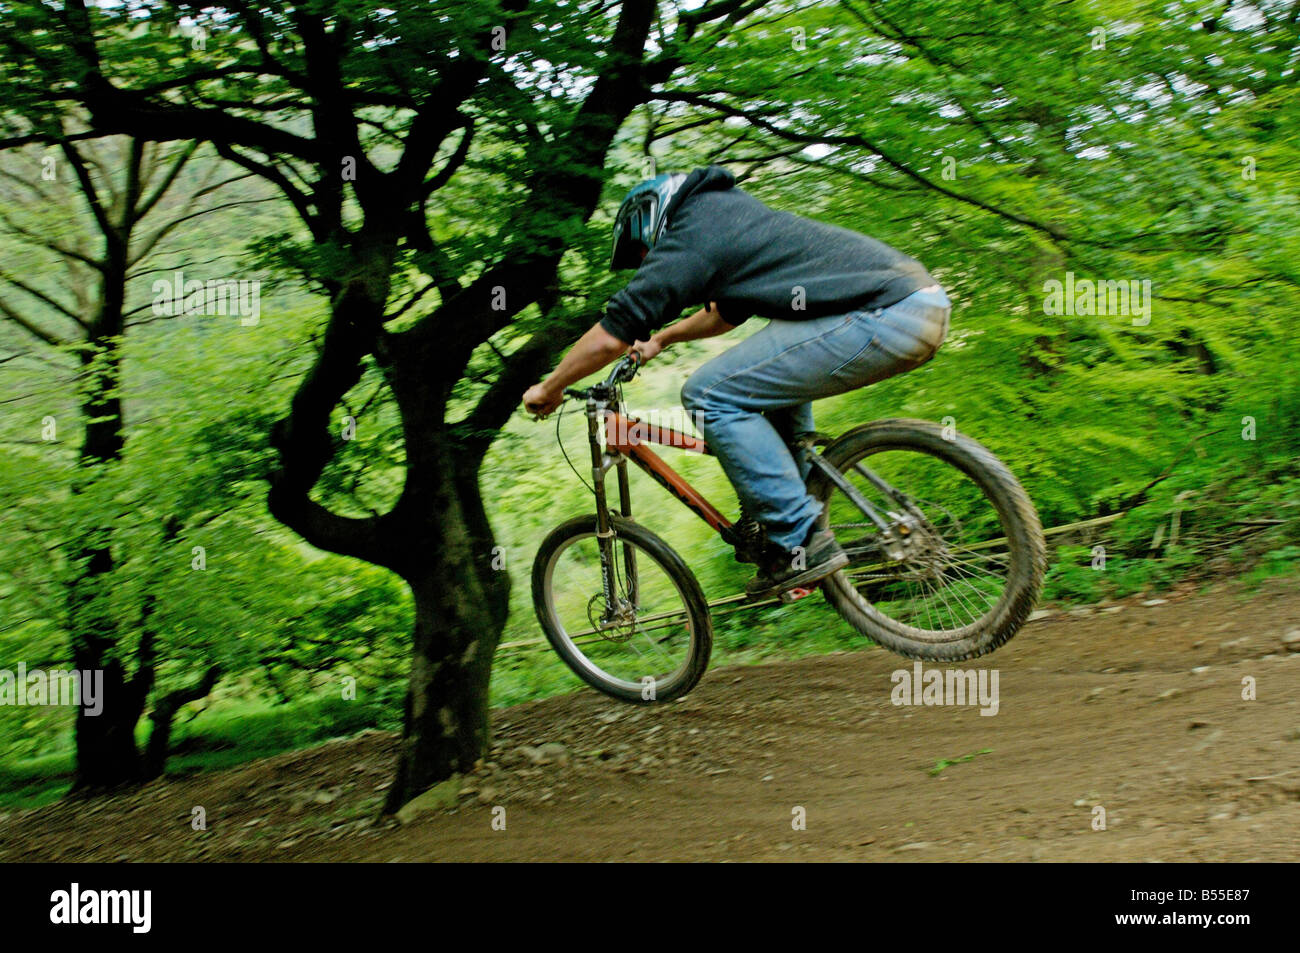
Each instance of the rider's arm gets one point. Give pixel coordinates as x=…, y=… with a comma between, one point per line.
x=705, y=323
x=598, y=347
x=593, y=351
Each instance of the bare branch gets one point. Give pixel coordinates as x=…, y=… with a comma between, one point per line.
x=40, y=333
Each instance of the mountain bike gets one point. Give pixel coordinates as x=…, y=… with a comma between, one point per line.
x=946, y=553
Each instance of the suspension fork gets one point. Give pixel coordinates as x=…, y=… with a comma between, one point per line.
x=629, y=551
x=601, y=463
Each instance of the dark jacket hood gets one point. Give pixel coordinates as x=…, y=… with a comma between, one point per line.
x=709, y=178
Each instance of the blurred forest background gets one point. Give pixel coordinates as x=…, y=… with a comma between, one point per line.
x=1003, y=144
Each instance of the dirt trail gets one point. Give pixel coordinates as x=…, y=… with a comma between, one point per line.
x=1135, y=708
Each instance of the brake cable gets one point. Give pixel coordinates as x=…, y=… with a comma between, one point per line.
x=618, y=402
x=559, y=440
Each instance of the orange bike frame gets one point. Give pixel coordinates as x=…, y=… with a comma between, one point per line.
x=629, y=436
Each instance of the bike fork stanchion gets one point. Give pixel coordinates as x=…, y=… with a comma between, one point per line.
x=600, y=464
x=629, y=551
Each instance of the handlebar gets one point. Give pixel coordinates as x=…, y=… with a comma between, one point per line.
x=624, y=370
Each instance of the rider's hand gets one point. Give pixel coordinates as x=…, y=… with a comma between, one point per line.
x=647, y=349
x=540, y=400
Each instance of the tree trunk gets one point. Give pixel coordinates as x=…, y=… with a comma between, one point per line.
x=107, y=757
x=461, y=604
x=106, y=753
x=437, y=537
x=164, y=711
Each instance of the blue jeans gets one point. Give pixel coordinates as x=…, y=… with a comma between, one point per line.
x=752, y=401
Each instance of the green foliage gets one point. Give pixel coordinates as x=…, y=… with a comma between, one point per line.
x=996, y=144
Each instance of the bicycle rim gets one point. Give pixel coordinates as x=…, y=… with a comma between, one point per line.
x=642, y=645
x=955, y=572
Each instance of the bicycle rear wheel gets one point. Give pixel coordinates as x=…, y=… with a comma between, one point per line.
x=654, y=643
x=972, y=556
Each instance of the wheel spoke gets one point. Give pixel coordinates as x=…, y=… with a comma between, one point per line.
x=654, y=638
x=954, y=560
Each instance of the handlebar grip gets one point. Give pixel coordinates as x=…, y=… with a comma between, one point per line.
x=628, y=366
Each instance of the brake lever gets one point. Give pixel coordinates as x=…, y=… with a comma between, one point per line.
x=638, y=362
x=538, y=418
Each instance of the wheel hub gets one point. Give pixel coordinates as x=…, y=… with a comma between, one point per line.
x=608, y=622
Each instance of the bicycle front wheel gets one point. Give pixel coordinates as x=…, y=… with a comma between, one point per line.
x=652, y=641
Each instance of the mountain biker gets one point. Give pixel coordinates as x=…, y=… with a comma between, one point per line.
x=845, y=311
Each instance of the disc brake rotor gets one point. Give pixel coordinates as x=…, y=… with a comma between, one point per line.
x=620, y=629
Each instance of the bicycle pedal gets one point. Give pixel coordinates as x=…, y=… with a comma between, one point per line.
x=797, y=593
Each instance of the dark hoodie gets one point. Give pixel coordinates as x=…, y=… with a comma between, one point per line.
x=723, y=245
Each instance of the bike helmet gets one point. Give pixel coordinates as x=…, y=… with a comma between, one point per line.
x=641, y=218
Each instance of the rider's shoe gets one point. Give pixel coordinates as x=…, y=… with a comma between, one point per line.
x=821, y=555
x=751, y=542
